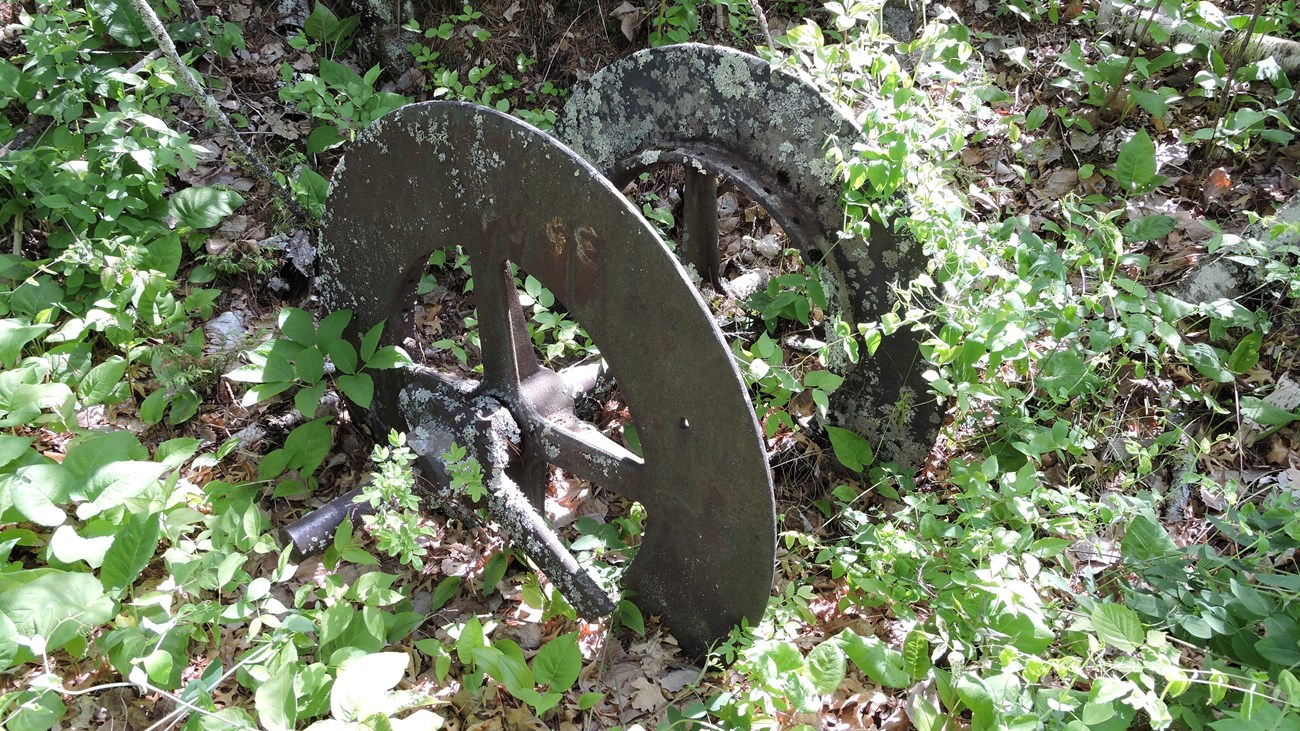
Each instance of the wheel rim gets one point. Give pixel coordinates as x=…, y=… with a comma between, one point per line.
x=734, y=115
x=441, y=173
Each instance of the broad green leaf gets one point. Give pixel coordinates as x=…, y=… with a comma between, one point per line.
x=331, y=327
x=102, y=380
x=277, y=708
x=310, y=365
x=853, y=451
x=38, y=490
x=12, y=447
x=321, y=23
x=340, y=75
x=1025, y=627
x=1094, y=713
x=784, y=657
x=587, y=701
x=307, y=400
x=629, y=615
x=1286, y=682
x=513, y=671
x=389, y=356
x=1136, y=168
x=37, y=711
x=35, y=296
x=14, y=334
x=67, y=546
x=1145, y=539
x=133, y=547
x=325, y=137
x=343, y=355
x=559, y=662
x=158, y=666
x=826, y=667
x=57, y=605
x=370, y=341
x=8, y=642
x=175, y=452
x=1251, y=599
x=1147, y=228
x=297, y=326
x=154, y=407
x=113, y=484
x=308, y=444
x=1207, y=361
x=801, y=693
x=916, y=654
x=881, y=663
x=260, y=392
x=1155, y=103
x=1065, y=374
x=972, y=691
x=201, y=206
x=1265, y=414
x=1118, y=626
x=120, y=20
x=446, y=589
x=1246, y=354
x=494, y=571
x=359, y=388
x=363, y=683
x=822, y=379
x=471, y=638
x=185, y=404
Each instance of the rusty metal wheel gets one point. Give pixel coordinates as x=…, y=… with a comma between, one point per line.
x=442, y=173
x=721, y=113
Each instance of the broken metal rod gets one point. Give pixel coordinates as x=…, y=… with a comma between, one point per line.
x=313, y=532
x=507, y=505
x=700, y=222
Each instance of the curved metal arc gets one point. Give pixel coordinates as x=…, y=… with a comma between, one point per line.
x=439, y=169
x=767, y=129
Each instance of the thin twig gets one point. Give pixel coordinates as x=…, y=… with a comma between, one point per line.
x=1123, y=76
x=762, y=22
x=213, y=110
x=1235, y=54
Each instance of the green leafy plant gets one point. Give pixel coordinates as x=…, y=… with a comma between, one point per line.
x=395, y=523
x=343, y=101
x=325, y=31
x=308, y=359
x=553, y=670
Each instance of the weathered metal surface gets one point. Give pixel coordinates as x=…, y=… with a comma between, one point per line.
x=311, y=534
x=766, y=130
x=432, y=175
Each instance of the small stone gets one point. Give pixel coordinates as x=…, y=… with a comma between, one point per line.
x=768, y=246
x=225, y=332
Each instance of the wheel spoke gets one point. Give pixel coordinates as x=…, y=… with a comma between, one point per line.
x=580, y=449
x=508, y=356
x=700, y=222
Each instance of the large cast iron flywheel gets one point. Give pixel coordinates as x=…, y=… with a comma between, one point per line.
x=432, y=175
x=723, y=113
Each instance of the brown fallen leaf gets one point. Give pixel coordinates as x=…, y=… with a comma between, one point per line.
x=1217, y=184
x=629, y=19
x=646, y=696
x=1056, y=185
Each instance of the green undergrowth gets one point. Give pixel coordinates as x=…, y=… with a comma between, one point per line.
x=1043, y=572
x=1033, y=581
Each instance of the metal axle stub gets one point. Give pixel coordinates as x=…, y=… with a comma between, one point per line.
x=432, y=175
x=734, y=116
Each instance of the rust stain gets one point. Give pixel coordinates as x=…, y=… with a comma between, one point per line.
x=555, y=232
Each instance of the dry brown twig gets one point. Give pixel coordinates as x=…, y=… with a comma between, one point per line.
x=212, y=109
